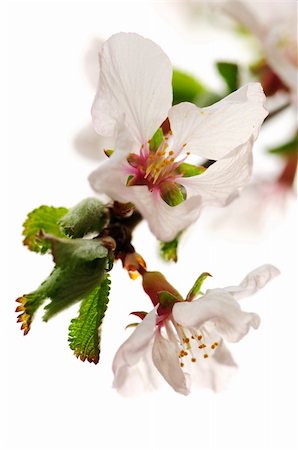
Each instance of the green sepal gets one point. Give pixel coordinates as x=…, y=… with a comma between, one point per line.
x=156, y=140
x=186, y=88
x=85, y=330
x=196, y=289
x=108, y=152
x=45, y=218
x=172, y=193
x=166, y=299
x=230, y=74
x=189, y=170
x=90, y=215
x=290, y=148
x=169, y=250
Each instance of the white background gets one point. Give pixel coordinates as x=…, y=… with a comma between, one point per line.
x=54, y=401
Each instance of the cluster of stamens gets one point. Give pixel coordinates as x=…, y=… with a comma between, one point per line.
x=193, y=346
x=152, y=168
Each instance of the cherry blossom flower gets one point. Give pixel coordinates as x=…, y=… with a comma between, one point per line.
x=148, y=167
x=276, y=29
x=184, y=342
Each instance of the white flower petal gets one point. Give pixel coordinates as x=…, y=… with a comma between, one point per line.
x=218, y=308
x=214, y=372
x=166, y=360
x=134, y=87
x=135, y=380
x=133, y=348
x=110, y=178
x=254, y=281
x=165, y=221
x=221, y=182
x=214, y=131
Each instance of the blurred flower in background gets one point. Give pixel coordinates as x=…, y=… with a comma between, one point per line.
x=270, y=29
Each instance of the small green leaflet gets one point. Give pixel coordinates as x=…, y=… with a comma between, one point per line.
x=196, y=289
x=84, y=330
x=90, y=215
x=230, y=74
x=44, y=218
x=168, y=250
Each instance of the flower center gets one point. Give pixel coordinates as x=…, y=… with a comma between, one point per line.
x=153, y=168
x=191, y=344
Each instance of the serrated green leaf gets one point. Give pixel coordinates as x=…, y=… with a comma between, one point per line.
x=81, y=265
x=289, y=148
x=71, y=252
x=169, y=250
x=186, y=88
x=45, y=218
x=172, y=193
x=189, y=170
x=90, y=215
x=230, y=74
x=84, y=330
x=196, y=289
x=156, y=140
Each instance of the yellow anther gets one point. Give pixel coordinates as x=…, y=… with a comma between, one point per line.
x=213, y=346
x=200, y=337
x=181, y=364
x=193, y=360
x=216, y=344
x=202, y=346
x=186, y=340
x=206, y=355
x=171, y=152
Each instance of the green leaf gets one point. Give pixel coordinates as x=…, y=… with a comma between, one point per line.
x=189, y=170
x=230, y=74
x=172, y=193
x=169, y=250
x=45, y=218
x=186, y=88
x=156, y=140
x=196, y=289
x=81, y=265
x=90, y=215
x=290, y=148
x=84, y=331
